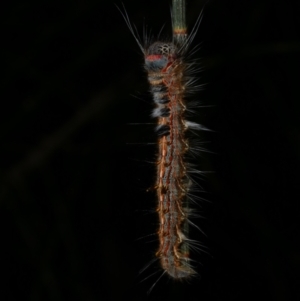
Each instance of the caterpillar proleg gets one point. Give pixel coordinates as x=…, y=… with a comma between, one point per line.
x=170, y=78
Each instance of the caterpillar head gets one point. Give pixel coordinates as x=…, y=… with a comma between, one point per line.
x=159, y=55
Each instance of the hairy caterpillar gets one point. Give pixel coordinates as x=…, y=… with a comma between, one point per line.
x=170, y=78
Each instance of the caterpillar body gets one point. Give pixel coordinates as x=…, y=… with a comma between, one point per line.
x=166, y=76
x=170, y=79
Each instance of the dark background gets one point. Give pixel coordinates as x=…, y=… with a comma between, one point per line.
x=76, y=220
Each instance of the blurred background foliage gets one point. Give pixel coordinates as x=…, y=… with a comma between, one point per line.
x=77, y=222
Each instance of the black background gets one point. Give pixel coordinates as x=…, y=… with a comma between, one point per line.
x=76, y=220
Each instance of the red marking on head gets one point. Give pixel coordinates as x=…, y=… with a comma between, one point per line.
x=153, y=57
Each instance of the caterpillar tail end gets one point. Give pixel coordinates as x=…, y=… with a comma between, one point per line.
x=179, y=271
